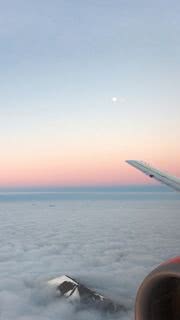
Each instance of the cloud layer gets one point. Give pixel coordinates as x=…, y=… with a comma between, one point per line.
x=107, y=245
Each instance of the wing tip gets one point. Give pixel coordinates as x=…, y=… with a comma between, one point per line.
x=129, y=161
x=132, y=162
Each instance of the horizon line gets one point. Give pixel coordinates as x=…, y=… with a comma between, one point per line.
x=101, y=188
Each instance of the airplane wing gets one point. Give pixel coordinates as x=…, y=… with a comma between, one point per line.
x=163, y=177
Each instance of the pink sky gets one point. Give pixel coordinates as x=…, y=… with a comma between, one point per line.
x=91, y=166
x=80, y=96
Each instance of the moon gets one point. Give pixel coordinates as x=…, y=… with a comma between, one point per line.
x=114, y=99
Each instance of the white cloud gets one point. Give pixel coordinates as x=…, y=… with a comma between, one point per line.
x=107, y=245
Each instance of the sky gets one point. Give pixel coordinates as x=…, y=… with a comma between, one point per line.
x=85, y=85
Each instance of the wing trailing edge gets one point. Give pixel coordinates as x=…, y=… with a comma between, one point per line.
x=163, y=177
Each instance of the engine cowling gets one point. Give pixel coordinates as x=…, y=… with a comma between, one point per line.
x=158, y=297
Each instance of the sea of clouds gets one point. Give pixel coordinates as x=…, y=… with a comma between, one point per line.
x=109, y=245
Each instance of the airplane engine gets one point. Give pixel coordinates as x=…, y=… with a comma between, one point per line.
x=158, y=297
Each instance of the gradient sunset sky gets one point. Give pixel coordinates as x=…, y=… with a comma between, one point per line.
x=85, y=85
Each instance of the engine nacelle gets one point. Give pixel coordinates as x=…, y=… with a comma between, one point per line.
x=158, y=297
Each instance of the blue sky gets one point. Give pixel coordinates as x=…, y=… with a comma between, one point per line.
x=59, y=51
x=63, y=61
